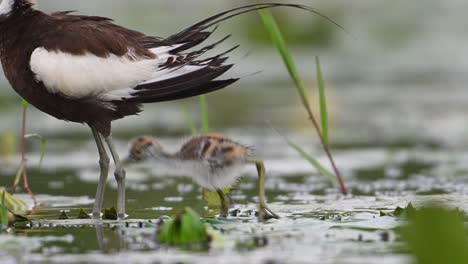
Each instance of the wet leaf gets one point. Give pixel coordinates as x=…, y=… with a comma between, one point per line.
x=83, y=215
x=63, y=216
x=19, y=218
x=3, y=213
x=13, y=204
x=110, y=214
x=408, y=211
x=185, y=229
x=398, y=211
x=436, y=235
x=20, y=221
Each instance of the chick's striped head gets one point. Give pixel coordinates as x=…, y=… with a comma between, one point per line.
x=144, y=148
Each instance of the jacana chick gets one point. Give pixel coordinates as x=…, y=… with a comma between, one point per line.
x=212, y=160
x=88, y=70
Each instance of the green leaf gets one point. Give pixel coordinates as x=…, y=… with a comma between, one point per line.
x=19, y=218
x=63, y=216
x=407, y=212
x=3, y=212
x=83, y=215
x=410, y=211
x=323, y=101
x=43, y=144
x=110, y=214
x=18, y=173
x=278, y=39
x=435, y=234
x=314, y=163
x=398, y=211
x=185, y=229
x=322, y=170
x=13, y=204
x=204, y=114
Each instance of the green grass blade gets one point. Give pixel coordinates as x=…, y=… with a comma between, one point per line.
x=190, y=122
x=275, y=32
x=323, y=101
x=43, y=144
x=278, y=39
x=314, y=163
x=204, y=114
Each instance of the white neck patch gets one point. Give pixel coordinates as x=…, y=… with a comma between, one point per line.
x=6, y=7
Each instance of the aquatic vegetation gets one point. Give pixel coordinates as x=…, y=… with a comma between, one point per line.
x=185, y=229
x=390, y=150
x=436, y=235
x=110, y=214
x=3, y=213
x=13, y=203
x=12, y=211
x=278, y=39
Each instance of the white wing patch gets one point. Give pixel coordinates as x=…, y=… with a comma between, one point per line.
x=80, y=76
x=111, y=78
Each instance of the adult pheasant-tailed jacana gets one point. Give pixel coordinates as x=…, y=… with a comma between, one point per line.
x=88, y=70
x=212, y=160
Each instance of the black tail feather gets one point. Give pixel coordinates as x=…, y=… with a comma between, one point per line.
x=188, y=91
x=197, y=29
x=180, y=87
x=203, y=80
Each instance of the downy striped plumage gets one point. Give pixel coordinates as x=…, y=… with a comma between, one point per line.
x=214, y=161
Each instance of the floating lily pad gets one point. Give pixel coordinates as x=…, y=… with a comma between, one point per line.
x=83, y=215
x=185, y=229
x=63, y=216
x=110, y=214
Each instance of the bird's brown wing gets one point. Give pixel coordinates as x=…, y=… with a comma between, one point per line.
x=78, y=35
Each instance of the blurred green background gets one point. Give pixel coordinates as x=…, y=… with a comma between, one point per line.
x=401, y=59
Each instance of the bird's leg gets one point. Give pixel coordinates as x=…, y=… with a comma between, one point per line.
x=104, y=166
x=224, y=203
x=100, y=237
x=264, y=213
x=23, y=160
x=119, y=174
